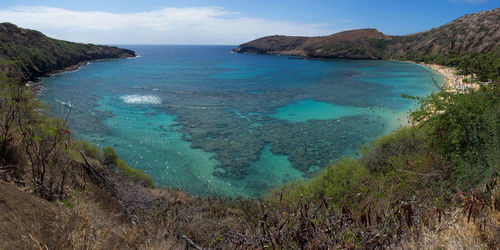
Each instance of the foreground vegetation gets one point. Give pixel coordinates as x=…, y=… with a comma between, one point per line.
x=408, y=190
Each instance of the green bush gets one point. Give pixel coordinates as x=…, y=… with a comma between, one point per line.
x=109, y=156
x=111, y=160
x=463, y=131
x=88, y=149
x=135, y=174
x=484, y=66
x=339, y=181
x=343, y=181
x=405, y=141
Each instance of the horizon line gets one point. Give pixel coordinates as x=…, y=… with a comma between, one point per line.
x=164, y=44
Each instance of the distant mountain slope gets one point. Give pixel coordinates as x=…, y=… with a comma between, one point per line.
x=473, y=33
x=27, y=54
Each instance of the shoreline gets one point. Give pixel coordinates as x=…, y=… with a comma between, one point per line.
x=403, y=119
x=453, y=82
x=36, y=85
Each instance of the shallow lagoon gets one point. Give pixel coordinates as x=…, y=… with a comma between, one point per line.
x=211, y=122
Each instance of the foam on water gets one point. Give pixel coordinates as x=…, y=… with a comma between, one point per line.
x=64, y=103
x=141, y=99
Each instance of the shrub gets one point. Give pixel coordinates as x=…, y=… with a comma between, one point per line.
x=110, y=157
x=343, y=181
x=463, y=130
x=339, y=181
x=11, y=151
x=400, y=142
x=484, y=66
x=88, y=149
x=135, y=174
x=111, y=160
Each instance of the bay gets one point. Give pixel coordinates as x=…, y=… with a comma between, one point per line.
x=212, y=122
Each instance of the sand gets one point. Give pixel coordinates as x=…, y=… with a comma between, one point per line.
x=453, y=81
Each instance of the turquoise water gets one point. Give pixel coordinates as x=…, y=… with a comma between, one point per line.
x=211, y=122
x=305, y=110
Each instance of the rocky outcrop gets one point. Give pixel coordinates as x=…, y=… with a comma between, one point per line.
x=474, y=33
x=27, y=54
x=273, y=45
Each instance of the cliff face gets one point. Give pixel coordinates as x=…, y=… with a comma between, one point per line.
x=479, y=32
x=28, y=54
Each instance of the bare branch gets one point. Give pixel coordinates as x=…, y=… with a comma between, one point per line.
x=191, y=242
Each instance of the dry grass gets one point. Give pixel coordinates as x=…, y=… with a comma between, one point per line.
x=135, y=217
x=458, y=234
x=457, y=231
x=87, y=226
x=251, y=224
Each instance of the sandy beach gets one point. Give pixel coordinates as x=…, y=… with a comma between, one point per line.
x=453, y=80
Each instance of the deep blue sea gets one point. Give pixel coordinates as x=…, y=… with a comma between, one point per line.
x=212, y=122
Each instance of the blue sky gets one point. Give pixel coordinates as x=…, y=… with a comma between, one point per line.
x=227, y=21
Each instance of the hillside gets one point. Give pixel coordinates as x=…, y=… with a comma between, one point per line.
x=27, y=54
x=469, y=34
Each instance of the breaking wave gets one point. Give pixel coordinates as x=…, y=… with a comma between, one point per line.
x=141, y=99
x=64, y=103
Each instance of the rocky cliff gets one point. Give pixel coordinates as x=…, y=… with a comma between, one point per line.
x=473, y=33
x=27, y=54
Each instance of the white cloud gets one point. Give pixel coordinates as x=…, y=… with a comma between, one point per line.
x=203, y=25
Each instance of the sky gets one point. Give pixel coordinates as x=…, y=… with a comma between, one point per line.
x=227, y=22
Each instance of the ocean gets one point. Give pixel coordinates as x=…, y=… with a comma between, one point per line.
x=211, y=122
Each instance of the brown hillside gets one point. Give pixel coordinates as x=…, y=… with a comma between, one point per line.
x=473, y=33
x=21, y=216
